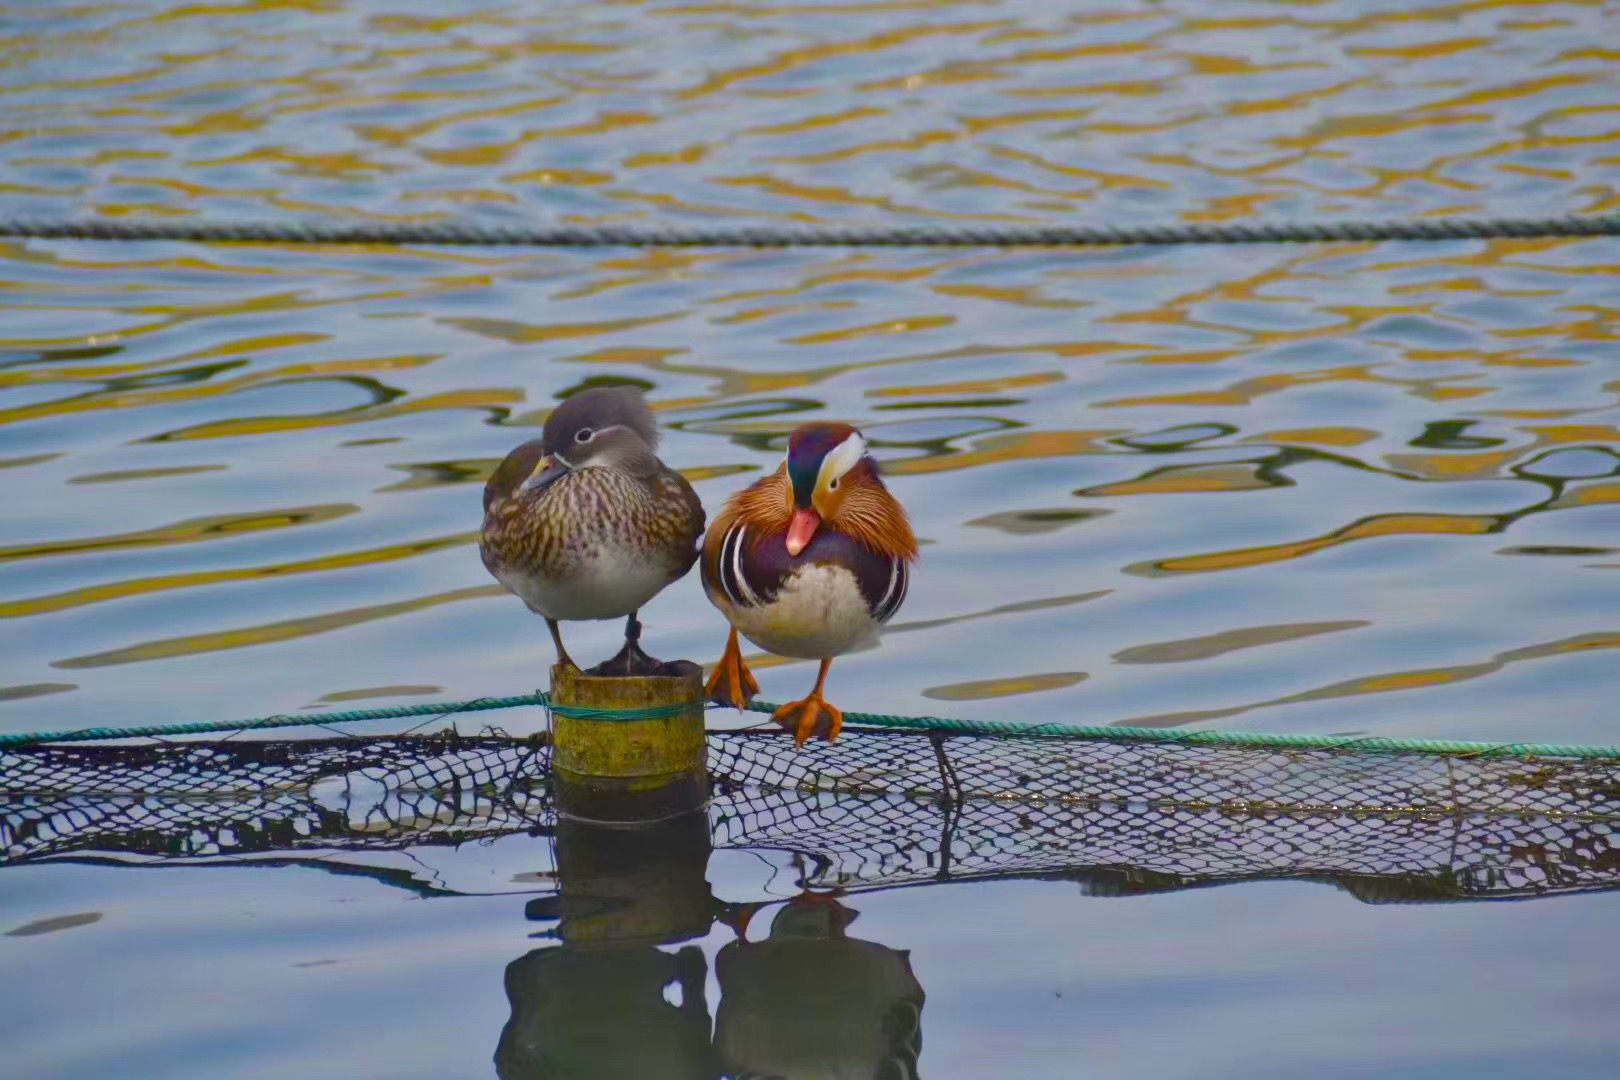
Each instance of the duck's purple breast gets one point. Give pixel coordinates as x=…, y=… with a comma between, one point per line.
x=751, y=569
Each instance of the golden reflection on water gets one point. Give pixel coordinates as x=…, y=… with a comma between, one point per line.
x=368, y=693
x=1384, y=525
x=1391, y=682
x=181, y=532
x=1134, y=432
x=955, y=111
x=1009, y=687
x=1204, y=648
x=269, y=633
x=98, y=593
x=998, y=396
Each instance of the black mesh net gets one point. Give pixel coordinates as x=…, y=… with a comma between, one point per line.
x=878, y=809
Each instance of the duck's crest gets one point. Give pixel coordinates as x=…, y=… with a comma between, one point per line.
x=601, y=407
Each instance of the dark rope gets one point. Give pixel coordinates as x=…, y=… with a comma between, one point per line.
x=464, y=234
x=937, y=724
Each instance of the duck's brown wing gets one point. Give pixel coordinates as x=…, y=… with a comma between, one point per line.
x=681, y=519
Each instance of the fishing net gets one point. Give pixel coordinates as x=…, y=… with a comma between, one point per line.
x=878, y=809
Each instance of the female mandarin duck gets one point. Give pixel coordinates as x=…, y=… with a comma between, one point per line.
x=807, y=562
x=586, y=522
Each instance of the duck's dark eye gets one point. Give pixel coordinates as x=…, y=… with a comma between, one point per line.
x=584, y=434
x=832, y=485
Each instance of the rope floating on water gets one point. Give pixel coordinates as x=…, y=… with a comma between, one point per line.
x=281, y=720
x=1215, y=737
x=775, y=236
x=470, y=234
x=941, y=724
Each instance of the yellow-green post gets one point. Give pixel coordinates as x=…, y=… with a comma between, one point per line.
x=629, y=769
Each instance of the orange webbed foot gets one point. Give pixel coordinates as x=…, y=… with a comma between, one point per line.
x=732, y=683
x=810, y=716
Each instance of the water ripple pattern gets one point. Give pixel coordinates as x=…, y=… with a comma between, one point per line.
x=1354, y=488
x=1349, y=488
x=809, y=112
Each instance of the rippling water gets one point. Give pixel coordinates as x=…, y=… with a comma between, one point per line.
x=1022, y=110
x=1353, y=488
x=1349, y=488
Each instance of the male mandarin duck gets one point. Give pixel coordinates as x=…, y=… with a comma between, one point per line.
x=807, y=562
x=586, y=522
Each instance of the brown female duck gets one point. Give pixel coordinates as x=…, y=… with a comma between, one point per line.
x=586, y=522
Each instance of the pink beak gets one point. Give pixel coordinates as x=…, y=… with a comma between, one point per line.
x=801, y=529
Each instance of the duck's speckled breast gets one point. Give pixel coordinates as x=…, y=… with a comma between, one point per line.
x=588, y=523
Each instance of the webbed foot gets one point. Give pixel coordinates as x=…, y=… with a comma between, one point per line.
x=810, y=716
x=732, y=683
x=630, y=660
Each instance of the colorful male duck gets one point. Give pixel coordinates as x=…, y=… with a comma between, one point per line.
x=807, y=562
x=586, y=522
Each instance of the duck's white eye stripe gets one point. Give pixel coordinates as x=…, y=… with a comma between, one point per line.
x=842, y=458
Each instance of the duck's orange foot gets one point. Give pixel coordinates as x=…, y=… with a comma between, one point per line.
x=809, y=716
x=732, y=683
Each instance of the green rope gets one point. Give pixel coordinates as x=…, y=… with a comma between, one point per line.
x=943, y=724
x=393, y=712
x=1251, y=739
x=281, y=720
x=644, y=712
x=904, y=234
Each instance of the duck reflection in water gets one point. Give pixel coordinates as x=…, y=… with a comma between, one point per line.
x=807, y=1002
x=604, y=1013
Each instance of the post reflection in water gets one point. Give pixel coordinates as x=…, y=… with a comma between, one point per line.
x=611, y=1001
x=596, y=1005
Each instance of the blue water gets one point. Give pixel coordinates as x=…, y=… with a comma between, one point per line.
x=1359, y=488
x=252, y=973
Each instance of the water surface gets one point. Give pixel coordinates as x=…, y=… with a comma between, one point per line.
x=1341, y=488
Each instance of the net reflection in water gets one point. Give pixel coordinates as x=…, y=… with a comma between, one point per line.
x=878, y=809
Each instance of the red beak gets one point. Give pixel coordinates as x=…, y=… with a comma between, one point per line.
x=801, y=529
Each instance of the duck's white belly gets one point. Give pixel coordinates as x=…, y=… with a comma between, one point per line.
x=818, y=613
x=609, y=583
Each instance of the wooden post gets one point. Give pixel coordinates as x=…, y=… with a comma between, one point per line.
x=611, y=769
x=644, y=883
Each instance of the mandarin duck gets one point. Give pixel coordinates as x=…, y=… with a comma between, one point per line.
x=586, y=522
x=807, y=562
